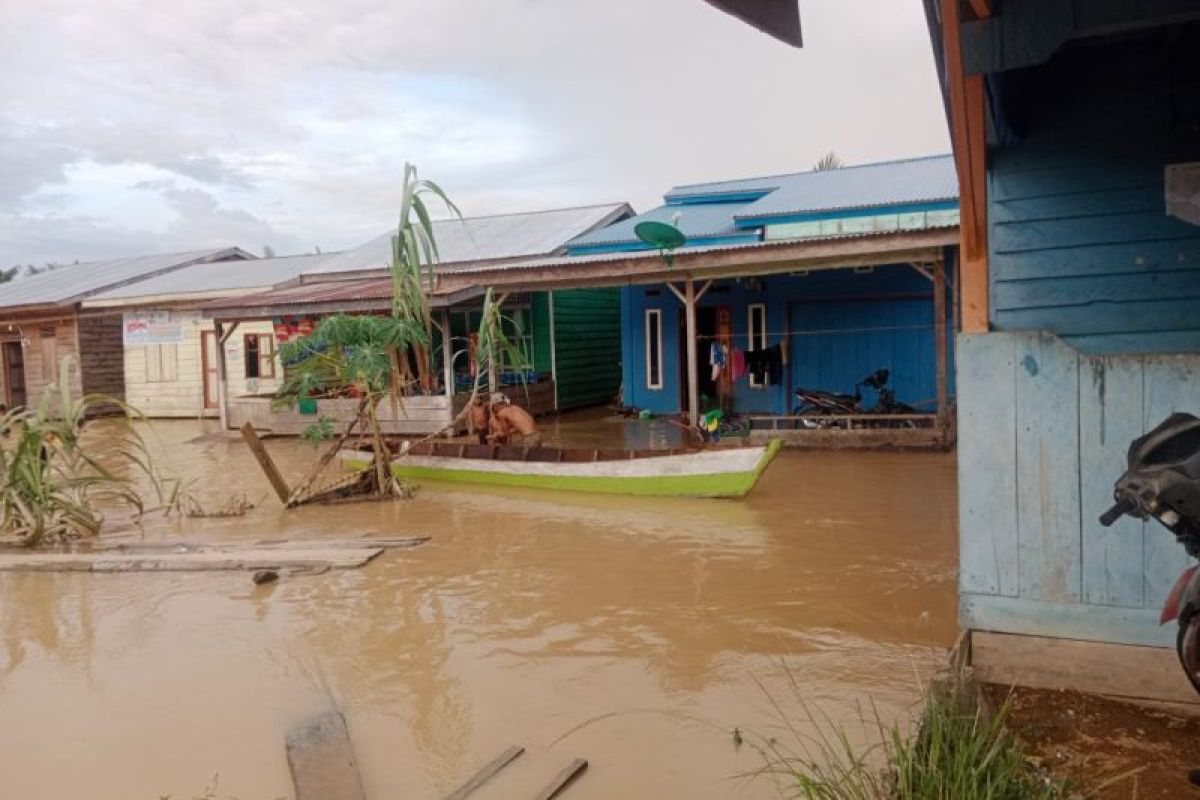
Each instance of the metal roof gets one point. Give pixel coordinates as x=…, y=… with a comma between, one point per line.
x=473, y=239
x=71, y=283
x=211, y=279
x=363, y=294
x=891, y=183
x=882, y=183
x=778, y=18
x=479, y=271
x=702, y=214
x=696, y=221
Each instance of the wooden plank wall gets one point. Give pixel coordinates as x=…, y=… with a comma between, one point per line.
x=39, y=372
x=184, y=396
x=102, y=356
x=1080, y=242
x=1043, y=431
x=587, y=346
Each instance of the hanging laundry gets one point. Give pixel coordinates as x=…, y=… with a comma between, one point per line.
x=774, y=364
x=737, y=364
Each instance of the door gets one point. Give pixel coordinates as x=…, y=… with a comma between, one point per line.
x=209, y=353
x=14, y=374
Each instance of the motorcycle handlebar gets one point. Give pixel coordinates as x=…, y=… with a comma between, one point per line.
x=1119, y=509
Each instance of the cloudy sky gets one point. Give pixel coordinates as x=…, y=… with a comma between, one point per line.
x=129, y=126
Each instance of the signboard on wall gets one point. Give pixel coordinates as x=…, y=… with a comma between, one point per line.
x=153, y=327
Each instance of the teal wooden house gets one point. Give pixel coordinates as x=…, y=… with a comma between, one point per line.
x=1076, y=126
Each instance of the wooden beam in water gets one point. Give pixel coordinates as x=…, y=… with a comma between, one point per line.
x=264, y=460
x=486, y=773
x=321, y=760
x=562, y=780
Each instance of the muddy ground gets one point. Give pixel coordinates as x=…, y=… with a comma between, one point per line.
x=1109, y=750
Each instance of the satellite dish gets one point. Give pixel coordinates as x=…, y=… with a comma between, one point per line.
x=662, y=235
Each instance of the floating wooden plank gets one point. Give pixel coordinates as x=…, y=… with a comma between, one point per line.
x=385, y=543
x=321, y=760
x=486, y=773
x=190, y=561
x=563, y=779
x=264, y=460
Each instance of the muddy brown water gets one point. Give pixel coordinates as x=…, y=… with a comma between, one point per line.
x=634, y=632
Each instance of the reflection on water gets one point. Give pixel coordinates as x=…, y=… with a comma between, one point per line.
x=636, y=632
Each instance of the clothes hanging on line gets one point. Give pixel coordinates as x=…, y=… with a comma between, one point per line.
x=737, y=364
x=717, y=359
x=765, y=366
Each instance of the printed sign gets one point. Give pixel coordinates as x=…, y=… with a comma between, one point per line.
x=152, y=327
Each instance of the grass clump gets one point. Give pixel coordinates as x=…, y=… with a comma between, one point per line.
x=959, y=750
x=55, y=480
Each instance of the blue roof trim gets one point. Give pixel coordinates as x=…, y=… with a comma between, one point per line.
x=727, y=197
x=629, y=247
x=758, y=221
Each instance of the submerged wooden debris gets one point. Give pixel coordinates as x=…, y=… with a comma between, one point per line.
x=277, y=555
x=321, y=760
x=563, y=779
x=486, y=773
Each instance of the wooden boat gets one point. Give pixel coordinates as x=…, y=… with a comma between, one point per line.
x=710, y=472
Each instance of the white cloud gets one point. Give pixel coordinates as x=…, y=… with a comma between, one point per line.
x=118, y=119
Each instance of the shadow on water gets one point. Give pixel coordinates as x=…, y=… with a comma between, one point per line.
x=526, y=616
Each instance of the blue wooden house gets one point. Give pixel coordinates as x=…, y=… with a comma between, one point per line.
x=1076, y=127
x=828, y=322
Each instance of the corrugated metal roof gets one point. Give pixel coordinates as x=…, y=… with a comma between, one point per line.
x=683, y=253
x=700, y=220
x=884, y=183
x=330, y=296
x=73, y=282
x=892, y=183
x=209, y=278
x=474, y=239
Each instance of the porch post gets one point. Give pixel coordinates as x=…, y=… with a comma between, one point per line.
x=689, y=304
x=939, y=338
x=447, y=356
x=222, y=390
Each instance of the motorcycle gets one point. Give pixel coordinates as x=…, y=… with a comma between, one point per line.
x=1162, y=482
x=818, y=403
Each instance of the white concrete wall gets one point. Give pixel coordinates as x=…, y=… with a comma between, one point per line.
x=182, y=395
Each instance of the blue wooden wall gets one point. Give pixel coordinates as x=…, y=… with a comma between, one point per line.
x=843, y=323
x=1096, y=294
x=1080, y=241
x=1043, y=431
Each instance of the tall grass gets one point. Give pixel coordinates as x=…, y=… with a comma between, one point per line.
x=958, y=750
x=55, y=482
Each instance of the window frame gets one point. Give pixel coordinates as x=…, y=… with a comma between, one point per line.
x=655, y=314
x=264, y=356
x=756, y=340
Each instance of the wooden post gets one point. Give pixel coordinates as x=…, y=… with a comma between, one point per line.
x=693, y=378
x=268, y=466
x=968, y=126
x=939, y=339
x=447, y=355
x=222, y=389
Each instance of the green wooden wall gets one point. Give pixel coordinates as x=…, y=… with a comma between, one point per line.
x=587, y=343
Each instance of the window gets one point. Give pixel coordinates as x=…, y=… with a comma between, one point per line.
x=260, y=355
x=756, y=330
x=162, y=363
x=654, y=349
x=48, y=345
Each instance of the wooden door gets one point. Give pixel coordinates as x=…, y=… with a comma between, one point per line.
x=209, y=353
x=14, y=374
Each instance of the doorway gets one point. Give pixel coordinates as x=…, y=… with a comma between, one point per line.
x=14, y=375
x=209, y=353
x=714, y=324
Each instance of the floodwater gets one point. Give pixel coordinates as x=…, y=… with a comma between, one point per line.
x=634, y=632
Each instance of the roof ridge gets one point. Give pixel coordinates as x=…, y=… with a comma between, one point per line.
x=615, y=204
x=930, y=157
x=139, y=255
